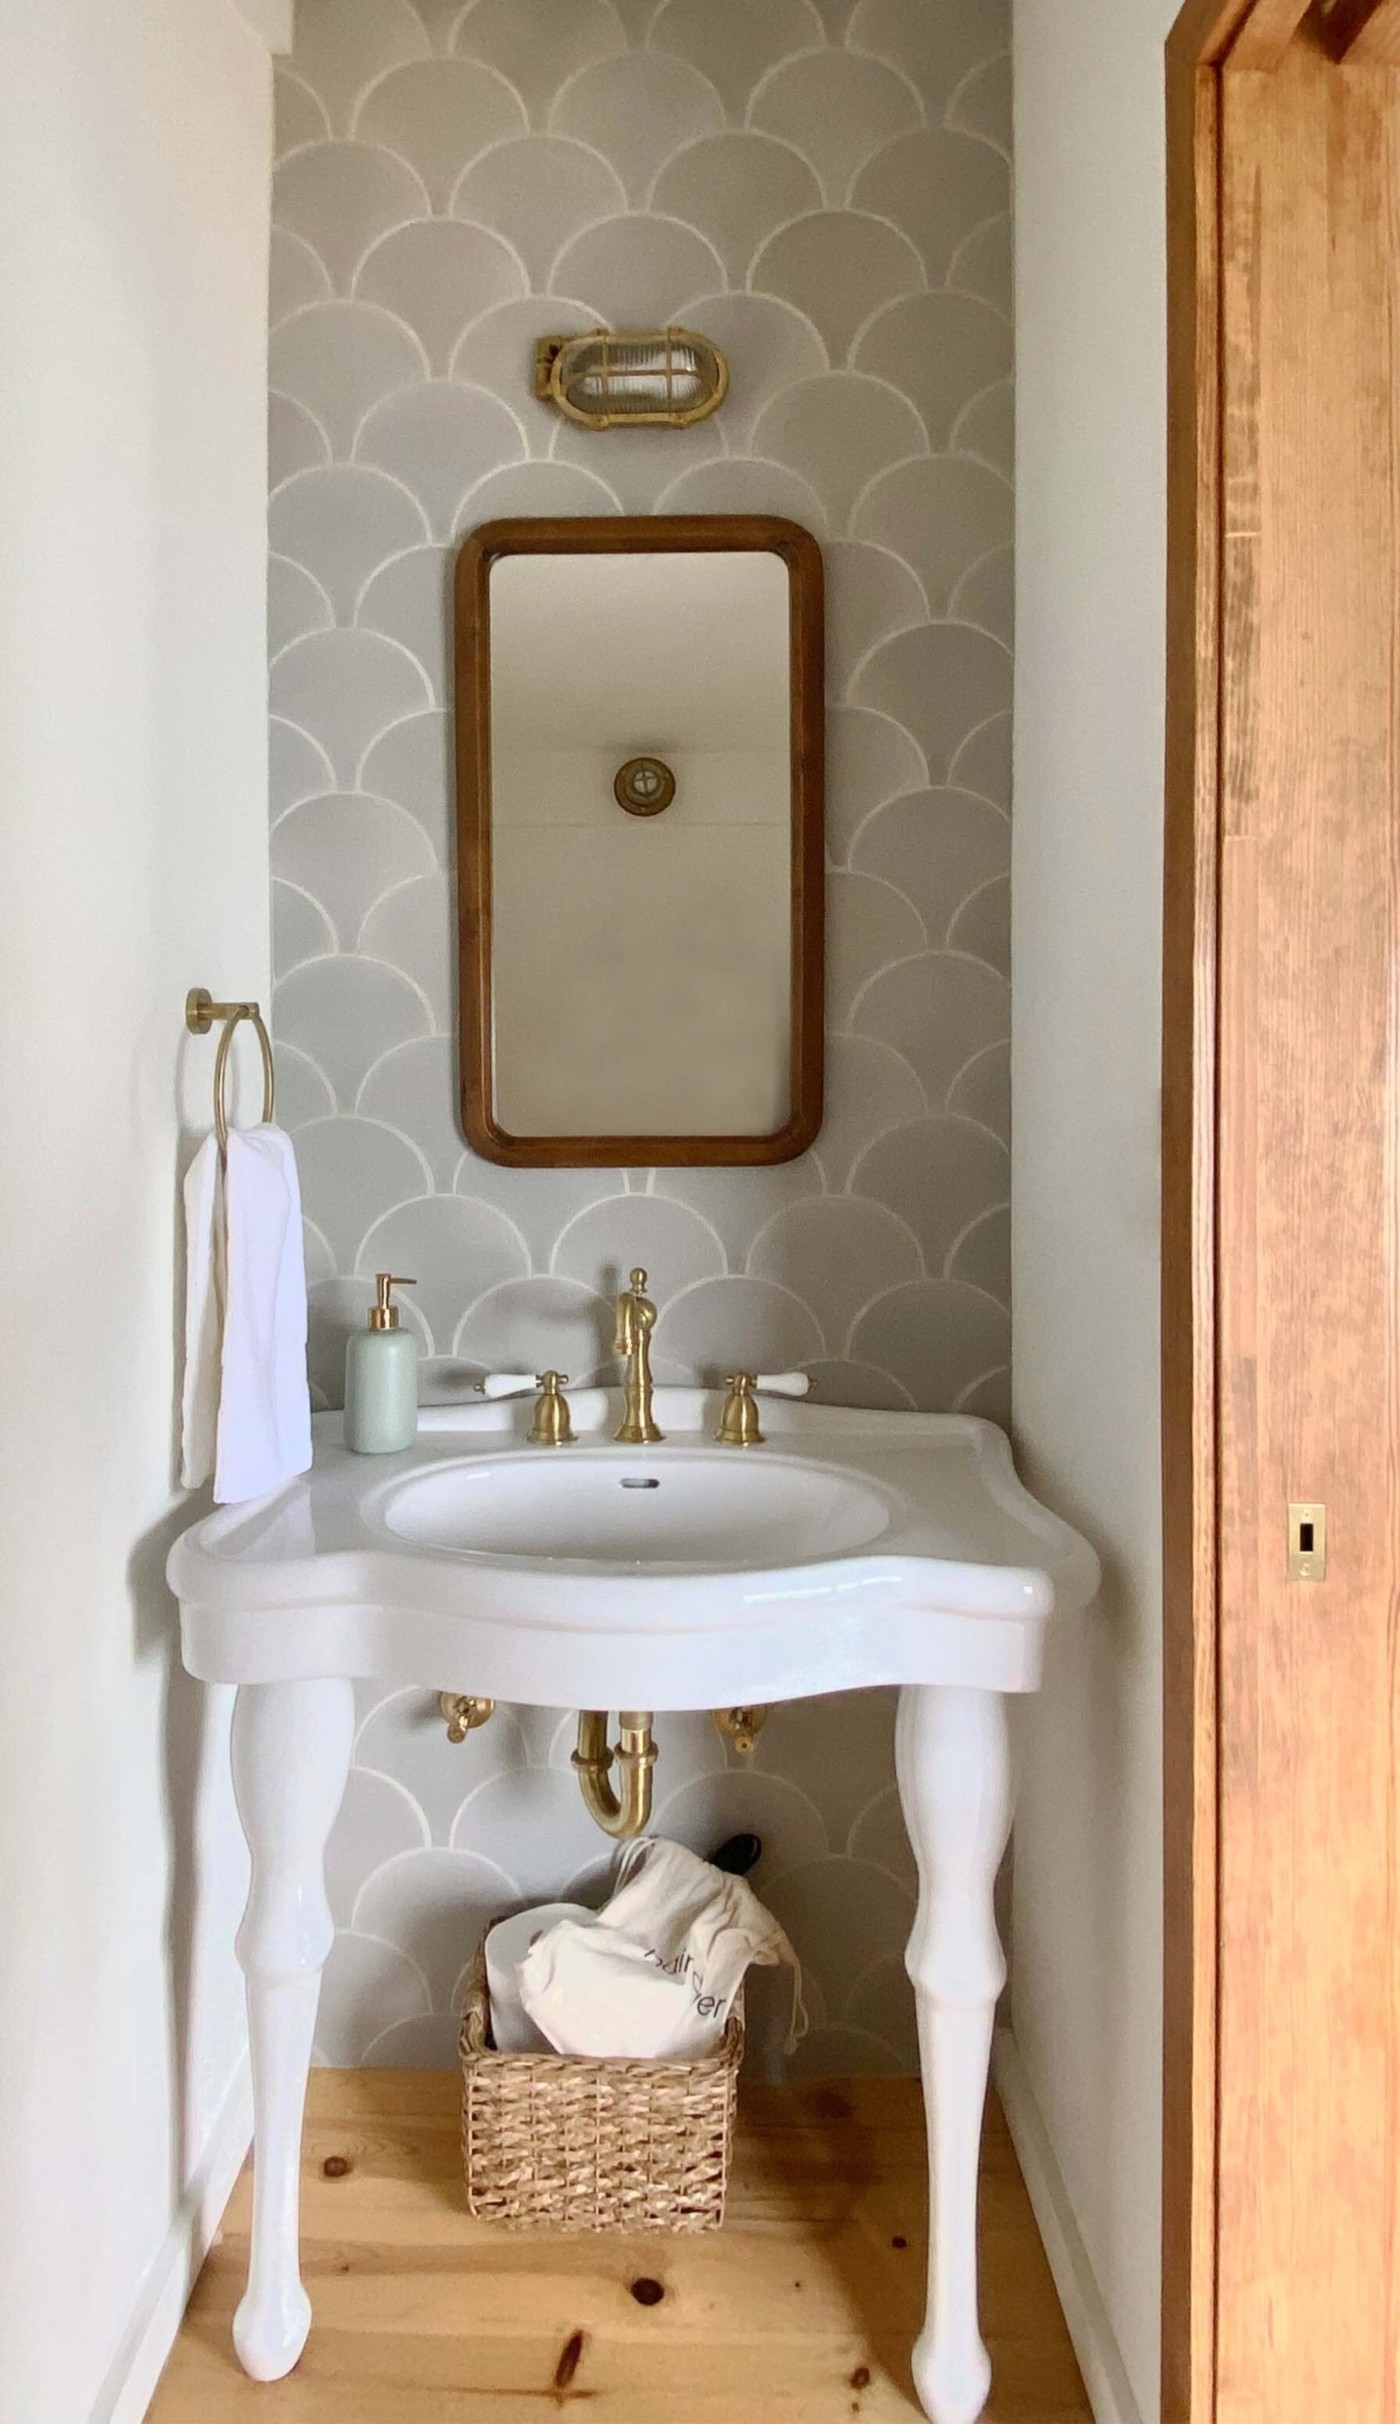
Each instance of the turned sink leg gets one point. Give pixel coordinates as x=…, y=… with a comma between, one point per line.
x=954, y=1771
x=291, y=1755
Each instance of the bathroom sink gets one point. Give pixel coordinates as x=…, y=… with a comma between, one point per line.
x=853, y=1546
x=669, y=1511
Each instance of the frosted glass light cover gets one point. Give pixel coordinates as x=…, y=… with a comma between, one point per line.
x=664, y=376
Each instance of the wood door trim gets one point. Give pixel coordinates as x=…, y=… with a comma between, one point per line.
x=1210, y=44
x=1190, y=1026
x=1366, y=33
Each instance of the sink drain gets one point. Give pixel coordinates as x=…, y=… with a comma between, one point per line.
x=636, y=1483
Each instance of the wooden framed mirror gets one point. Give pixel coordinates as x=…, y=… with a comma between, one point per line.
x=640, y=845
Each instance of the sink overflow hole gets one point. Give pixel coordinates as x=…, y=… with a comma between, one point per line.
x=636, y=1483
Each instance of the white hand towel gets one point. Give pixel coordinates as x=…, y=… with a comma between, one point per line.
x=264, y=1397
x=204, y=1313
x=245, y=1318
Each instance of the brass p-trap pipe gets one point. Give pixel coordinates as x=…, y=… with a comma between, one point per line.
x=626, y=1813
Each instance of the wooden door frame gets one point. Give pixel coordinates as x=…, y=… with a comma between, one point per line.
x=1210, y=39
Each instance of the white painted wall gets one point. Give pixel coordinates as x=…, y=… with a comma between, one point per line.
x=1087, y=893
x=134, y=177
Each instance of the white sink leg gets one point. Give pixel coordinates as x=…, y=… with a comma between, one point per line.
x=291, y=1753
x=954, y=1771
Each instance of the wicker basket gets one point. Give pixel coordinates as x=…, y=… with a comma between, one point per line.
x=565, y=2142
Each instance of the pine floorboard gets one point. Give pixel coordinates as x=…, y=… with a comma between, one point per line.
x=802, y=2310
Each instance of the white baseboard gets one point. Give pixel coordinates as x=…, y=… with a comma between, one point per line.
x=1105, y=2376
x=150, y=2335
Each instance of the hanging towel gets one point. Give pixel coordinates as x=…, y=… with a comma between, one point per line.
x=204, y=1313
x=246, y=1296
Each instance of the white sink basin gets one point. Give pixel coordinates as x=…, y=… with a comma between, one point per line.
x=853, y=1547
x=670, y=1511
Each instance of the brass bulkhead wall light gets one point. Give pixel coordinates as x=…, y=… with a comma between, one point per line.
x=636, y=378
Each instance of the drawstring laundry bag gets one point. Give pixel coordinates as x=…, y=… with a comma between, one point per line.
x=655, y=1973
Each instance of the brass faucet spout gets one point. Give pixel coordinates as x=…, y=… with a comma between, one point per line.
x=636, y=1319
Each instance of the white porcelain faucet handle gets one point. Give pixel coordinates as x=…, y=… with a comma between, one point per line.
x=507, y=1384
x=783, y=1384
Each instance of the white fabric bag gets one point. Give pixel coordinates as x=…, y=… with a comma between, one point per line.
x=656, y=1972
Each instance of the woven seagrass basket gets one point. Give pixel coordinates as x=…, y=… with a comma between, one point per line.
x=563, y=2142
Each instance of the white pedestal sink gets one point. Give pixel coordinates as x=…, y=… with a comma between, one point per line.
x=854, y=1549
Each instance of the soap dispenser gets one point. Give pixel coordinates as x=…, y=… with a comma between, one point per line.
x=381, y=1378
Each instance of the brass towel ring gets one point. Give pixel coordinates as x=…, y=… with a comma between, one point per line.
x=200, y=1015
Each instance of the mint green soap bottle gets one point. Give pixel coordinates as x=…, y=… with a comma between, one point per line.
x=381, y=1378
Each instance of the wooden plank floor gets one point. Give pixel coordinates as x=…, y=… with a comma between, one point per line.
x=802, y=2310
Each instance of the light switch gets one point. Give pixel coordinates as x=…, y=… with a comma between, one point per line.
x=1307, y=1541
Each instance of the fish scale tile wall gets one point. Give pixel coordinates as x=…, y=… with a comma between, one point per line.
x=825, y=190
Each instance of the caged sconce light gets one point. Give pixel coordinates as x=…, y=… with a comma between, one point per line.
x=632, y=378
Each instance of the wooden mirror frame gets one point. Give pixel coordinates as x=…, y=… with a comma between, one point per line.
x=640, y=534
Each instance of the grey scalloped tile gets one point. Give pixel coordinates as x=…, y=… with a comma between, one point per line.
x=297, y=116
x=438, y=275
x=869, y=1088
x=982, y=103
x=341, y=521
x=439, y=439
x=412, y=1088
x=938, y=349
x=339, y=198
x=982, y=1090
x=537, y=193
x=637, y=273
x=937, y=1174
x=937, y=187
x=673, y=1243
x=296, y=604
x=839, y=110
x=538, y=45
x=438, y=115
x=986, y=427
x=345, y=688
x=301, y=931
x=736, y=42
x=345, y=1012
x=986, y=595
x=840, y=432
x=296, y=276
x=799, y=180
x=347, y=849
x=839, y=1252
x=769, y=346
x=838, y=267
x=352, y=1170
x=937, y=1335
x=343, y=47
x=452, y=1249
x=940, y=682
x=871, y=593
x=736, y=188
x=411, y=929
x=935, y=1010
x=638, y=109
x=408, y=599
x=754, y=1323
x=938, y=47
x=295, y=440
x=338, y=359
x=942, y=514
x=939, y=847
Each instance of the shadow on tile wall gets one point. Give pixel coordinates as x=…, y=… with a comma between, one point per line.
x=824, y=189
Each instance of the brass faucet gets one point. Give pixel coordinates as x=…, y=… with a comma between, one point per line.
x=636, y=1319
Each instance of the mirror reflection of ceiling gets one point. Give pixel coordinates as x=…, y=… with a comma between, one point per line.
x=666, y=651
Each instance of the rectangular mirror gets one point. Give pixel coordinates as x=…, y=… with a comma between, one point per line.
x=640, y=852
